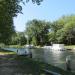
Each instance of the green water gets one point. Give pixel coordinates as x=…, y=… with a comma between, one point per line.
x=56, y=58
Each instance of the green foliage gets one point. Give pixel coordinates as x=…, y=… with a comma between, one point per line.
x=11, y=7
x=34, y=41
x=18, y=39
x=63, y=30
x=8, y=9
x=52, y=37
x=60, y=35
x=6, y=28
x=59, y=31
x=37, y=29
x=35, y=1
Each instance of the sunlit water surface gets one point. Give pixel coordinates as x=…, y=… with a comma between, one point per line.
x=56, y=58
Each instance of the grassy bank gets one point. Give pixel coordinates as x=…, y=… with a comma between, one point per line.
x=16, y=46
x=70, y=46
x=5, y=52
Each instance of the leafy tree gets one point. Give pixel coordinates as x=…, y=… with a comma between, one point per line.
x=6, y=28
x=70, y=31
x=34, y=41
x=64, y=30
x=8, y=10
x=37, y=29
x=60, y=36
x=18, y=38
x=52, y=37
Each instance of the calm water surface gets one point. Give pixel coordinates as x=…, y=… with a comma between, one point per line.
x=56, y=58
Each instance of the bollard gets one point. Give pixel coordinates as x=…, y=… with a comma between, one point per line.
x=68, y=63
x=17, y=51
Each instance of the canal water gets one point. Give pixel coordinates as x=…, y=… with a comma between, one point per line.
x=56, y=58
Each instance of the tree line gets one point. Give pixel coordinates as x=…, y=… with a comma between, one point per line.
x=45, y=33
x=39, y=32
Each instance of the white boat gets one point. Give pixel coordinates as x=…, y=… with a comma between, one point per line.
x=23, y=52
x=58, y=47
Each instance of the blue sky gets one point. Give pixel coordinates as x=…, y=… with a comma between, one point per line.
x=49, y=10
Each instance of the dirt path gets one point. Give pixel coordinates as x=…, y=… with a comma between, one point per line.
x=9, y=66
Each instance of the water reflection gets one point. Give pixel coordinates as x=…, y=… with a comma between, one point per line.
x=38, y=54
x=56, y=58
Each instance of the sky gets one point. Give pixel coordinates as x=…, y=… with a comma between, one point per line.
x=49, y=10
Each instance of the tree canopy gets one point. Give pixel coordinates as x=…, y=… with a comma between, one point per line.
x=37, y=30
x=8, y=10
x=18, y=39
x=59, y=31
x=64, y=29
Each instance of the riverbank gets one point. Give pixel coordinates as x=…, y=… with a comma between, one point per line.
x=6, y=52
x=70, y=47
x=12, y=64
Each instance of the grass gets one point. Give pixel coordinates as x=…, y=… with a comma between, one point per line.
x=5, y=52
x=16, y=46
x=70, y=46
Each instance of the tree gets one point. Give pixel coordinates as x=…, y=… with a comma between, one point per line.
x=52, y=37
x=18, y=39
x=34, y=41
x=63, y=30
x=6, y=28
x=70, y=31
x=37, y=29
x=8, y=10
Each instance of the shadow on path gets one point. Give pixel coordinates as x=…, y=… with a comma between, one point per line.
x=10, y=66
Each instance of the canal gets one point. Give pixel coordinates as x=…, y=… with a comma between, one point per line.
x=56, y=58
